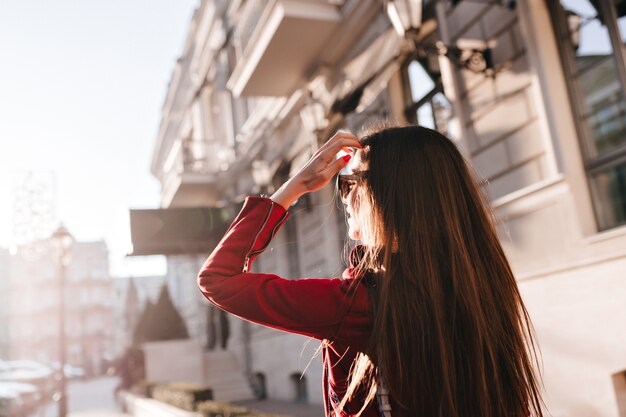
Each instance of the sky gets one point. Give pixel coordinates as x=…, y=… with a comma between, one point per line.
x=81, y=89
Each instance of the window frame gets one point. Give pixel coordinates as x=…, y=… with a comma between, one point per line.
x=592, y=165
x=411, y=106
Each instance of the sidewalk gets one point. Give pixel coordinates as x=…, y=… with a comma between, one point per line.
x=88, y=398
x=286, y=409
x=289, y=409
x=94, y=398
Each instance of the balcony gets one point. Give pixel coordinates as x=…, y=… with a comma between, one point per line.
x=279, y=41
x=191, y=172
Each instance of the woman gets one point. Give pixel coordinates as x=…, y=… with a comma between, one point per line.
x=427, y=320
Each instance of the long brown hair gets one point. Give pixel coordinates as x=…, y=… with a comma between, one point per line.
x=451, y=336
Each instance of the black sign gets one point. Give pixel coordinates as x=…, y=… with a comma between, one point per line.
x=177, y=231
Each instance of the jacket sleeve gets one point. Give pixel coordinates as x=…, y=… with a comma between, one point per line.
x=314, y=307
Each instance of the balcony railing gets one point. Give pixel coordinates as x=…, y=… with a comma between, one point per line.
x=251, y=15
x=190, y=156
x=191, y=171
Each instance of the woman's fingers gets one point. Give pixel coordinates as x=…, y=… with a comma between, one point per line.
x=322, y=177
x=329, y=153
x=343, y=137
x=322, y=166
x=336, y=166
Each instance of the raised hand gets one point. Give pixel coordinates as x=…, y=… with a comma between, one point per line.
x=318, y=170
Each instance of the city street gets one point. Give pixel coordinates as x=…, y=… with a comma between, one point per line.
x=269, y=204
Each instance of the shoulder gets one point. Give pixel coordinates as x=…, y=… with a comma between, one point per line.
x=356, y=325
x=353, y=280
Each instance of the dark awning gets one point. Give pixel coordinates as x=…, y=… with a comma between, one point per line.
x=177, y=231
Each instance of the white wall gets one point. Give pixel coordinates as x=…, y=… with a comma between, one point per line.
x=281, y=355
x=174, y=361
x=579, y=318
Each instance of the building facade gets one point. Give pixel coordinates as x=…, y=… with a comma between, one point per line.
x=531, y=92
x=5, y=268
x=33, y=311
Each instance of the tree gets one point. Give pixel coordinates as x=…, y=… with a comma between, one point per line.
x=160, y=321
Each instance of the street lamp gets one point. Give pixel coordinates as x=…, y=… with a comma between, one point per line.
x=406, y=18
x=62, y=242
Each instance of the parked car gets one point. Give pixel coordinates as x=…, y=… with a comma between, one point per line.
x=24, y=371
x=18, y=379
x=71, y=372
x=18, y=398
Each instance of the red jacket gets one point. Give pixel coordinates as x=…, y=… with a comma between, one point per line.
x=336, y=309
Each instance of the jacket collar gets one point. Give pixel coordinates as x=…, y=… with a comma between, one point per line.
x=356, y=254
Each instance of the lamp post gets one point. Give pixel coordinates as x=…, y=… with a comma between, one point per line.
x=476, y=56
x=62, y=242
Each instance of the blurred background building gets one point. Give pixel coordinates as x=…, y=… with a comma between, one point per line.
x=32, y=310
x=532, y=92
x=4, y=301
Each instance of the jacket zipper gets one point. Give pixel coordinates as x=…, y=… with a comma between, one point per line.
x=251, y=253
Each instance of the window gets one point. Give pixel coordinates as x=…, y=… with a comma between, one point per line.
x=298, y=384
x=259, y=385
x=591, y=36
x=425, y=102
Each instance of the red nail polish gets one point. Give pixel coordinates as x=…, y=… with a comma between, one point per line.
x=347, y=157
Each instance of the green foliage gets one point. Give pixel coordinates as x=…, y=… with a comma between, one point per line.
x=219, y=409
x=193, y=397
x=181, y=395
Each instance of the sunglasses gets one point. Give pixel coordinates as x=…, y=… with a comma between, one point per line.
x=346, y=182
